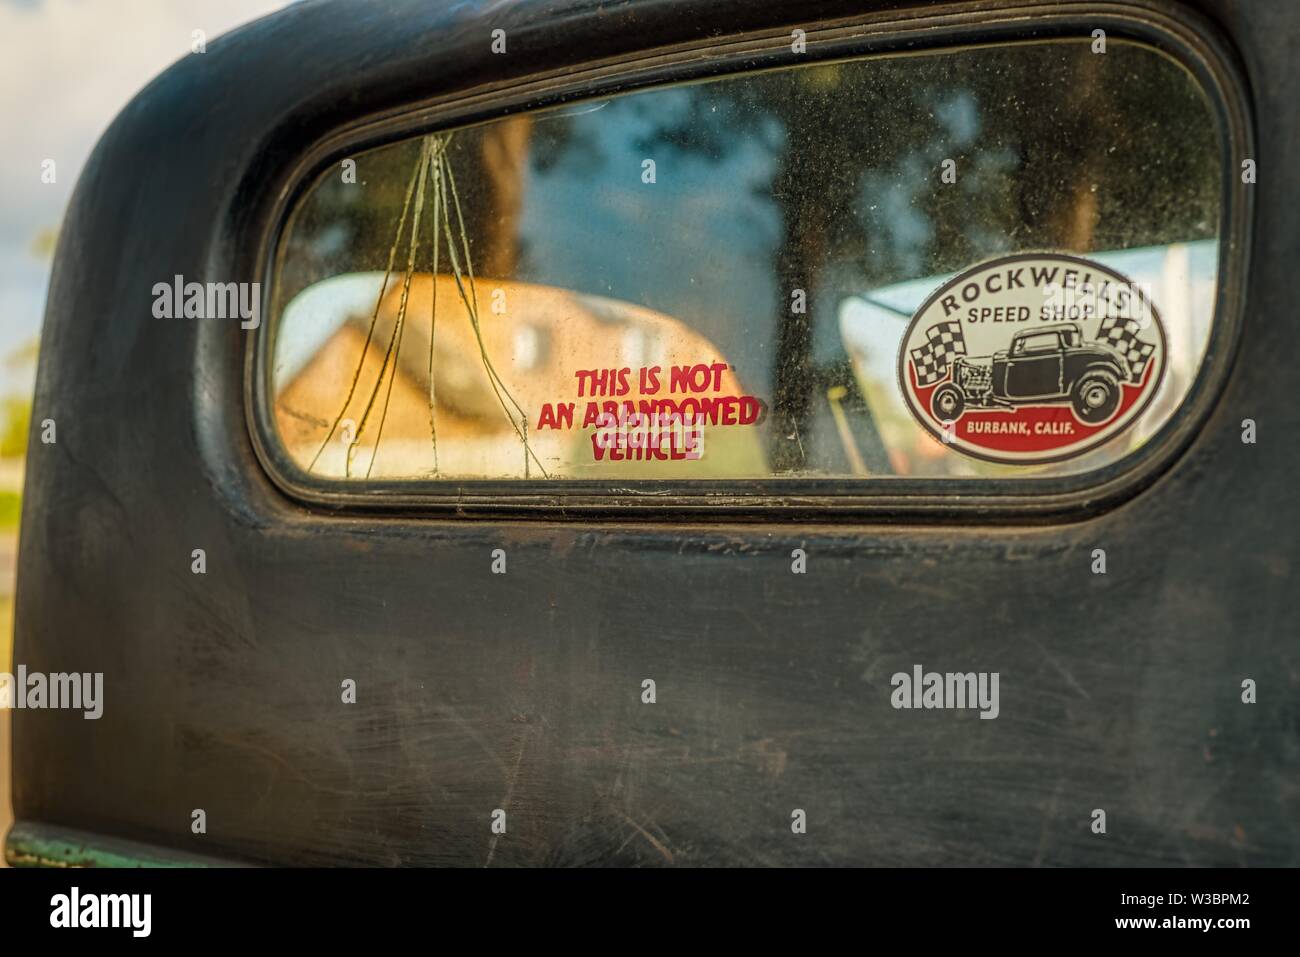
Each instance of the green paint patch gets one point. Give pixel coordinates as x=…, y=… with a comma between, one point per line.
x=38, y=845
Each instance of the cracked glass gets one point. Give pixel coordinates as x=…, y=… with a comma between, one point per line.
x=715, y=279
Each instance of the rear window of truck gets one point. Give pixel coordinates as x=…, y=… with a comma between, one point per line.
x=809, y=272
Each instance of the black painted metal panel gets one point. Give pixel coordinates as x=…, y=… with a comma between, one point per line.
x=522, y=691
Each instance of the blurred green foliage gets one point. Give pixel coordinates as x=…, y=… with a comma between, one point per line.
x=15, y=420
x=11, y=510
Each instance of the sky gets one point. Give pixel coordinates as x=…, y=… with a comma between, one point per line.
x=66, y=68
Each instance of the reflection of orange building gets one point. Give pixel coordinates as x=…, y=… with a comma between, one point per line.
x=538, y=338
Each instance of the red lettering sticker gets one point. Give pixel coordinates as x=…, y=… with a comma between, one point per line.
x=653, y=413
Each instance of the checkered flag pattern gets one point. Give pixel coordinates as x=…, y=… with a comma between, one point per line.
x=1122, y=336
x=944, y=342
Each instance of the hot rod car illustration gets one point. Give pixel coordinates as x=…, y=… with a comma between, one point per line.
x=1049, y=364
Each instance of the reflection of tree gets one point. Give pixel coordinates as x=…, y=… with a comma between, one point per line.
x=497, y=159
x=1056, y=147
x=346, y=227
x=821, y=151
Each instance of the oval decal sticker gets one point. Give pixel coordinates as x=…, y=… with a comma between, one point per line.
x=1032, y=358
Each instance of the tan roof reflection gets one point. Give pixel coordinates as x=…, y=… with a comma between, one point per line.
x=537, y=338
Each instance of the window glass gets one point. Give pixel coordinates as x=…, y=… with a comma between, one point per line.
x=1041, y=342
x=789, y=273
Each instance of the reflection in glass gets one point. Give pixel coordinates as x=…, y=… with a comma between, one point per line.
x=439, y=317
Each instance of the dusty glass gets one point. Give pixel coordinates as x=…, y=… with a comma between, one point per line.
x=714, y=279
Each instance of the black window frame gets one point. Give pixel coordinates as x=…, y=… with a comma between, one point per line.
x=1178, y=33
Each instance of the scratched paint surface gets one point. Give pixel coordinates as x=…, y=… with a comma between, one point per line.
x=522, y=691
